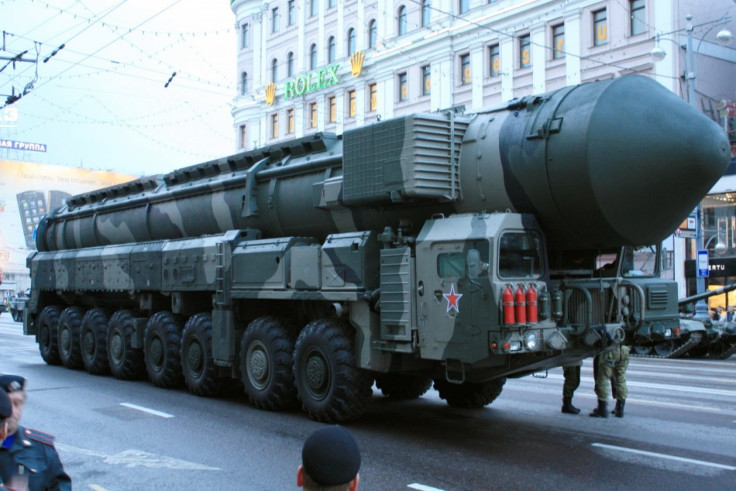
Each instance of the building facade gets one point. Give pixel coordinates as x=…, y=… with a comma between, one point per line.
x=329, y=65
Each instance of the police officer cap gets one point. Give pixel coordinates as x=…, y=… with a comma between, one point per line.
x=331, y=456
x=11, y=383
x=6, y=408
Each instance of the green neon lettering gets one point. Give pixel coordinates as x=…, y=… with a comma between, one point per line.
x=289, y=89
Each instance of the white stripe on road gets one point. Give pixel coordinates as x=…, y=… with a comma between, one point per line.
x=147, y=410
x=665, y=456
x=423, y=487
x=678, y=388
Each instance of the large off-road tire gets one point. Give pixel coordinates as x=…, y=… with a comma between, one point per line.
x=330, y=386
x=197, y=362
x=266, y=364
x=126, y=362
x=467, y=395
x=400, y=386
x=48, y=334
x=17, y=315
x=162, y=347
x=93, y=341
x=70, y=347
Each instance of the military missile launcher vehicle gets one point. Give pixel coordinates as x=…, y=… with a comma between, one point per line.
x=438, y=247
x=705, y=337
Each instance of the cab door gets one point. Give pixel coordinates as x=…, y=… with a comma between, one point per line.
x=453, y=290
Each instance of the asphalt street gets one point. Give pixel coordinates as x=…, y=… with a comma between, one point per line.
x=679, y=432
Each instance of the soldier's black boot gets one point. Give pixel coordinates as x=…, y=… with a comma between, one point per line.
x=567, y=406
x=601, y=411
x=619, y=409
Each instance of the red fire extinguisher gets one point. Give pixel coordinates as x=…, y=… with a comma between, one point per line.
x=508, y=306
x=520, y=301
x=531, y=305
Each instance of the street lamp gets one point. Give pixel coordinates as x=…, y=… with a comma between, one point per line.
x=658, y=54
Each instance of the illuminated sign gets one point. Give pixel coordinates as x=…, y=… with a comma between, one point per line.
x=14, y=145
x=310, y=82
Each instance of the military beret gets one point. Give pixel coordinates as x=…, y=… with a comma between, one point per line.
x=11, y=383
x=331, y=456
x=6, y=408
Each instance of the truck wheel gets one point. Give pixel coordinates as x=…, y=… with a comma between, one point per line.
x=266, y=364
x=70, y=325
x=197, y=362
x=469, y=395
x=162, y=347
x=93, y=341
x=126, y=363
x=400, y=386
x=330, y=386
x=16, y=316
x=48, y=334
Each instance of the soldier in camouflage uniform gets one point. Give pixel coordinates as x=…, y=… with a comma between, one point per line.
x=572, y=382
x=611, y=364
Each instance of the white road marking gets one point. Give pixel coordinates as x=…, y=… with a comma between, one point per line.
x=95, y=487
x=137, y=458
x=423, y=487
x=665, y=456
x=147, y=410
x=677, y=388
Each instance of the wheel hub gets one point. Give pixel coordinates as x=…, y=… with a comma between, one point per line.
x=258, y=365
x=194, y=357
x=89, y=343
x=116, y=346
x=316, y=375
x=64, y=339
x=156, y=352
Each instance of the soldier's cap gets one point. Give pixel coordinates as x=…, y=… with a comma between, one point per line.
x=6, y=408
x=12, y=383
x=331, y=456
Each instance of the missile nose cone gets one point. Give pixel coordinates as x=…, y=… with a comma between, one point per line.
x=650, y=158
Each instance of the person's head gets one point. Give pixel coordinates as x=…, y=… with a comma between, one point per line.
x=6, y=411
x=330, y=461
x=729, y=308
x=14, y=387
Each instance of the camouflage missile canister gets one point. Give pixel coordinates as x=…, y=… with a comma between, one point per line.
x=608, y=144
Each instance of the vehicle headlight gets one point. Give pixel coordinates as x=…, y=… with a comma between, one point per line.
x=668, y=333
x=531, y=340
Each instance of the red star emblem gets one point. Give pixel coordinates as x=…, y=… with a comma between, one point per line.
x=453, y=299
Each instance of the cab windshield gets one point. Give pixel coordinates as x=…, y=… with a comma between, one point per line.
x=520, y=255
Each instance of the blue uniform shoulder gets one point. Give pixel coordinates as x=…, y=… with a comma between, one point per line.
x=39, y=436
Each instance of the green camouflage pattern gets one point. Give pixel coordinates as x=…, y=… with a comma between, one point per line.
x=386, y=250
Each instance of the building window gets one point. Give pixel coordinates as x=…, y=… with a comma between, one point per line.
x=290, y=65
x=372, y=34
x=351, y=41
x=244, y=36
x=426, y=80
x=638, y=16
x=426, y=13
x=331, y=50
x=313, y=57
x=402, y=20
x=463, y=6
x=290, y=121
x=275, y=19
x=403, y=89
x=313, y=115
x=331, y=109
x=351, y=103
x=558, y=41
x=274, y=126
x=292, y=12
x=600, y=27
x=525, y=51
x=330, y=4
x=313, y=8
x=243, y=83
x=243, y=136
x=373, y=97
x=494, y=60
x=465, y=69
x=274, y=70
